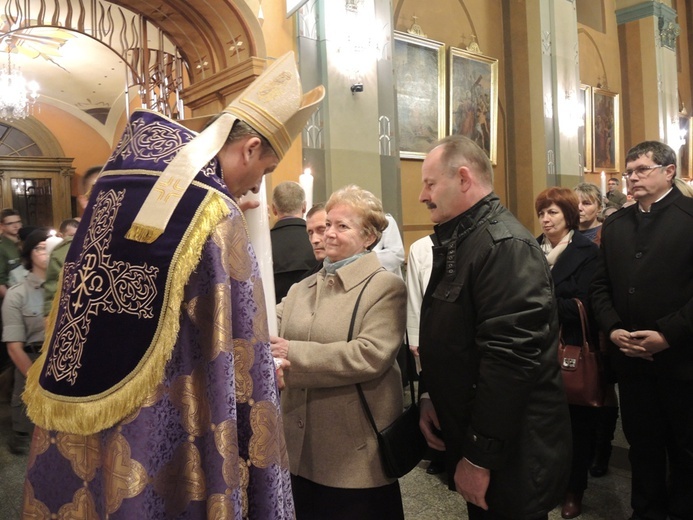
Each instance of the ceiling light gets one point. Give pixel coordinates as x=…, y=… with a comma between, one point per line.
x=17, y=95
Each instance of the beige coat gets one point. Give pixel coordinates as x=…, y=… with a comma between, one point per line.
x=328, y=436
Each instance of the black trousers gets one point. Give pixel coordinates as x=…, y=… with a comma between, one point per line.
x=317, y=502
x=583, y=421
x=476, y=513
x=657, y=418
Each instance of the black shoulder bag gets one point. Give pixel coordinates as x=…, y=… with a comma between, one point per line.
x=402, y=445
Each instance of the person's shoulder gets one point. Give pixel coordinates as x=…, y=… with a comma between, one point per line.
x=421, y=245
x=618, y=215
x=582, y=241
x=15, y=292
x=685, y=204
x=505, y=226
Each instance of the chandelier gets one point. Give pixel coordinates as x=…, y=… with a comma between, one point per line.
x=17, y=95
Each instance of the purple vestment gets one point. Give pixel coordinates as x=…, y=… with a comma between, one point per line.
x=205, y=440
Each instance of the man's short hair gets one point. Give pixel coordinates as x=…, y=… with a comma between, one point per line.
x=615, y=179
x=242, y=129
x=8, y=212
x=288, y=198
x=85, y=182
x=661, y=153
x=320, y=206
x=459, y=150
x=68, y=222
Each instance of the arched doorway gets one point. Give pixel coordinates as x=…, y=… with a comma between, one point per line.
x=35, y=176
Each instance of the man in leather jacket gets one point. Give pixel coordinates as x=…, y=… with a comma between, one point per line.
x=488, y=340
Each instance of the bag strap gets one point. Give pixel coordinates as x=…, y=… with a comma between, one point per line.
x=583, y=321
x=410, y=363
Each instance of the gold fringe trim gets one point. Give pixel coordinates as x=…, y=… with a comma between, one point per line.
x=86, y=416
x=142, y=233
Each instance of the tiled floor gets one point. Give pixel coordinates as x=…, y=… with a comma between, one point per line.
x=426, y=497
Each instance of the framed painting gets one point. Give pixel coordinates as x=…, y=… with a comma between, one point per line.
x=473, y=98
x=585, y=129
x=420, y=79
x=605, y=131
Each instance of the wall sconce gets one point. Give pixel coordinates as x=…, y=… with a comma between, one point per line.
x=360, y=45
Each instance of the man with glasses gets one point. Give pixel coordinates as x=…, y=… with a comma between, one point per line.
x=642, y=297
x=614, y=197
x=9, y=245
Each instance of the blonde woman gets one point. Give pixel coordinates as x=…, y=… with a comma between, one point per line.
x=333, y=451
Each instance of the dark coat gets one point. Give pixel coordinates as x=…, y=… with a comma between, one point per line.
x=489, y=334
x=572, y=275
x=644, y=281
x=292, y=254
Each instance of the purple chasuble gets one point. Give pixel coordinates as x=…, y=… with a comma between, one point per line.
x=207, y=440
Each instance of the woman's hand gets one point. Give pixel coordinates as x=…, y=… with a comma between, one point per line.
x=280, y=347
x=279, y=365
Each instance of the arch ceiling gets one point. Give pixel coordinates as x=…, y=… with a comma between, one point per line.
x=77, y=50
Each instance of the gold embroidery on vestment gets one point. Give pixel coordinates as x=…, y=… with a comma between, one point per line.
x=123, y=476
x=189, y=395
x=82, y=507
x=155, y=141
x=260, y=327
x=220, y=507
x=83, y=452
x=232, y=238
x=226, y=441
x=181, y=480
x=211, y=314
x=100, y=285
x=40, y=443
x=32, y=508
x=264, y=448
x=243, y=359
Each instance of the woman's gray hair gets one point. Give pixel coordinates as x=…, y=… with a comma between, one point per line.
x=367, y=206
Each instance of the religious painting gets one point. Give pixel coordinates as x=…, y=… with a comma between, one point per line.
x=605, y=130
x=686, y=147
x=585, y=129
x=420, y=80
x=473, y=93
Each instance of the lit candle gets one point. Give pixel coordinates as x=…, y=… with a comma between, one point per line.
x=259, y=231
x=603, y=184
x=306, y=182
x=52, y=240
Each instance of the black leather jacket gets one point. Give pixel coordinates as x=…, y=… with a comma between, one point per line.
x=489, y=333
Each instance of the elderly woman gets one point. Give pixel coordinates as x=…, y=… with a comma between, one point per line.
x=333, y=451
x=572, y=258
x=590, y=206
x=23, y=329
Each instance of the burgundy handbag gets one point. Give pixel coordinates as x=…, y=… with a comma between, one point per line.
x=581, y=366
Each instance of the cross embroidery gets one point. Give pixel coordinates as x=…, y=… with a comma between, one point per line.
x=98, y=284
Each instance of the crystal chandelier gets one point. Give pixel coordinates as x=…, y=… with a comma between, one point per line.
x=17, y=95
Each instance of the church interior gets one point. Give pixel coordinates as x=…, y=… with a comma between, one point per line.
x=555, y=91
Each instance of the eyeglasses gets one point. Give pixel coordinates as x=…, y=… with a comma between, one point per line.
x=12, y=223
x=641, y=171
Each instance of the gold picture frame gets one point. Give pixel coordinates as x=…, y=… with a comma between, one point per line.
x=473, y=98
x=585, y=130
x=605, y=131
x=419, y=65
